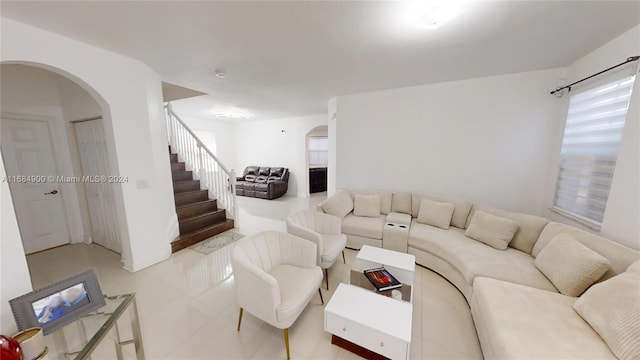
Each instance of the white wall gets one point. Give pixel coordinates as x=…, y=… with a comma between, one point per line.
x=262, y=143
x=224, y=132
x=14, y=273
x=622, y=216
x=486, y=140
x=130, y=96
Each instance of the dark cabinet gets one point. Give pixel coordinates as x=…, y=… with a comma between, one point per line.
x=317, y=180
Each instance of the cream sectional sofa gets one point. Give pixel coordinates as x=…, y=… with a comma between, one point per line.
x=516, y=307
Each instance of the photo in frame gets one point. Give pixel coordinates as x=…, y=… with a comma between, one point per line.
x=58, y=304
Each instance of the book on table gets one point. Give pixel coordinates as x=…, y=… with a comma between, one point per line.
x=381, y=279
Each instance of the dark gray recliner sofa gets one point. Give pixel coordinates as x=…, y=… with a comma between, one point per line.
x=263, y=182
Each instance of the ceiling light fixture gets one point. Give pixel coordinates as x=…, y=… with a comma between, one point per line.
x=232, y=113
x=439, y=13
x=220, y=73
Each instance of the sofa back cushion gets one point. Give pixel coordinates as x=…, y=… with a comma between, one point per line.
x=340, y=204
x=460, y=211
x=620, y=257
x=529, y=226
x=366, y=205
x=401, y=203
x=385, y=198
x=276, y=173
x=250, y=173
x=435, y=213
x=264, y=171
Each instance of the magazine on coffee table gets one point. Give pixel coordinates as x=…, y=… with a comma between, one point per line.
x=382, y=279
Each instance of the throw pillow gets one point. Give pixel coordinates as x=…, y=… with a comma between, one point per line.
x=571, y=266
x=367, y=205
x=492, y=230
x=435, y=213
x=612, y=308
x=401, y=203
x=340, y=204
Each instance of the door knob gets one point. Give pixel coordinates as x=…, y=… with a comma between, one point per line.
x=52, y=192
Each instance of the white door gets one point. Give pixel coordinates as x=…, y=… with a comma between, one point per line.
x=100, y=195
x=31, y=171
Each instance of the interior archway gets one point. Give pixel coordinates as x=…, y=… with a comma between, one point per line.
x=37, y=93
x=316, y=155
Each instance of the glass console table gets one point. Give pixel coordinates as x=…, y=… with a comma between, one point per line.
x=115, y=321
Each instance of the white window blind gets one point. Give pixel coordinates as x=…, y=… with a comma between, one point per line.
x=592, y=135
x=318, y=151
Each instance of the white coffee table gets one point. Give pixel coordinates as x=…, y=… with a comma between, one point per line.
x=401, y=265
x=371, y=321
x=368, y=323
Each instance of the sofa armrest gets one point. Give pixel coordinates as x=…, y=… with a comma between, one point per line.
x=277, y=188
x=240, y=178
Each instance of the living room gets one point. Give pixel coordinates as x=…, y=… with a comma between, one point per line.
x=463, y=111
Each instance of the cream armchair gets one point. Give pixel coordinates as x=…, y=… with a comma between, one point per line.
x=275, y=277
x=325, y=231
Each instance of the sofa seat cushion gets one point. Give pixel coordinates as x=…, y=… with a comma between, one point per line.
x=521, y=322
x=332, y=246
x=297, y=286
x=473, y=258
x=369, y=227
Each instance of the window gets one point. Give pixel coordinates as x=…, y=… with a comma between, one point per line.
x=592, y=135
x=318, y=151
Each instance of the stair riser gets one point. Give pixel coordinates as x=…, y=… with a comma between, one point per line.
x=179, y=187
x=173, y=157
x=202, y=221
x=197, y=208
x=186, y=242
x=184, y=199
x=181, y=175
x=177, y=166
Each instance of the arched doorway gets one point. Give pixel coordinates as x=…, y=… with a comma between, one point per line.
x=54, y=137
x=317, y=154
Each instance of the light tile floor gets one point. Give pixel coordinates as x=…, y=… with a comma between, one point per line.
x=187, y=307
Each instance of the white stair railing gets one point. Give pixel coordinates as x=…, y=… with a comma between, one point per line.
x=217, y=178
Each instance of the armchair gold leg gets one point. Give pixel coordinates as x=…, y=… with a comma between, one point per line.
x=344, y=261
x=321, y=298
x=326, y=277
x=240, y=319
x=286, y=342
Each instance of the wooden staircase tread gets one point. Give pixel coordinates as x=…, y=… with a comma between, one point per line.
x=195, y=203
x=190, y=192
x=203, y=229
x=194, y=217
x=185, y=181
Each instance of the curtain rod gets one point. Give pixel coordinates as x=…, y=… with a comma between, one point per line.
x=629, y=59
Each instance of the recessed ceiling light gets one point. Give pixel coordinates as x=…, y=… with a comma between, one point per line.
x=439, y=13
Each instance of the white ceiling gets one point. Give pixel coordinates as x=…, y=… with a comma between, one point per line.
x=287, y=58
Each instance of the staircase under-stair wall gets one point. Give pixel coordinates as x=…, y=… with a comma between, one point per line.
x=199, y=217
x=203, y=188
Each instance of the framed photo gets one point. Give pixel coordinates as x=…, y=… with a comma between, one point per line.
x=58, y=304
